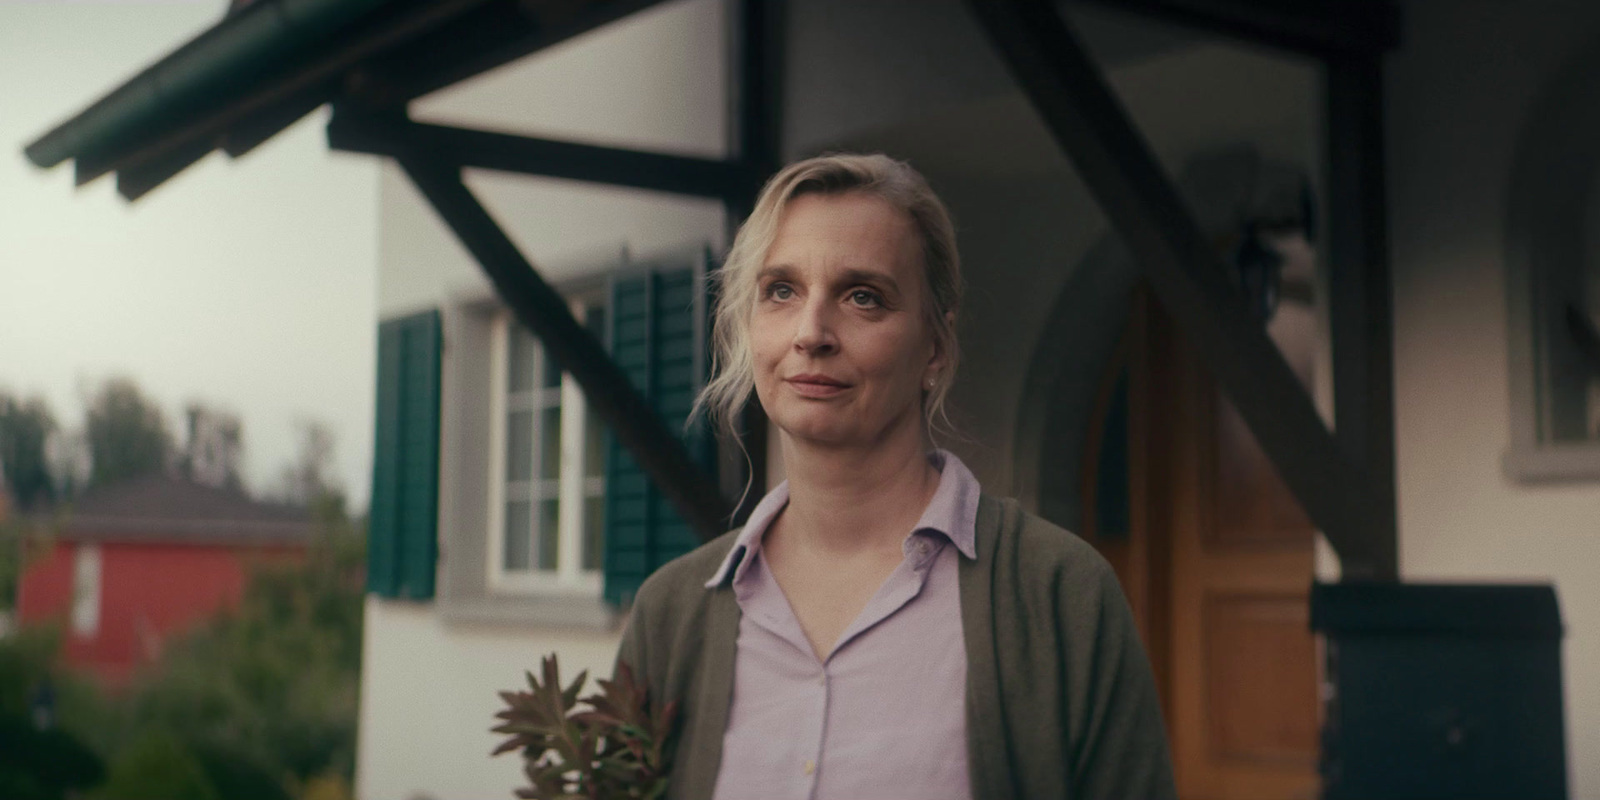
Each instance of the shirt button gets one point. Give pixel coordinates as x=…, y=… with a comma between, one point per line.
x=811, y=766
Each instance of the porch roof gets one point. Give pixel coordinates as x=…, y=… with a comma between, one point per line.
x=274, y=61
x=269, y=63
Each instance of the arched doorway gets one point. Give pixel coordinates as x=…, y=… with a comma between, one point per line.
x=1125, y=438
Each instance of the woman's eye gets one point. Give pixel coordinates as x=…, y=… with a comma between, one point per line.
x=780, y=291
x=865, y=299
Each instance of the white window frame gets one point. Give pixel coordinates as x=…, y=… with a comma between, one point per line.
x=86, y=588
x=1550, y=257
x=574, y=487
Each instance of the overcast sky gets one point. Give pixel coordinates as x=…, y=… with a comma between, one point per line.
x=247, y=285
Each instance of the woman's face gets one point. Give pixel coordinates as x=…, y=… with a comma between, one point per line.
x=840, y=344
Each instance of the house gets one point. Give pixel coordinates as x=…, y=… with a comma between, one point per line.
x=140, y=562
x=1403, y=192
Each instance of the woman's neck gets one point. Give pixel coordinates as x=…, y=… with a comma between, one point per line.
x=849, y=501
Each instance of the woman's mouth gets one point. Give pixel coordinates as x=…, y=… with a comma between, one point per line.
x=816, y=385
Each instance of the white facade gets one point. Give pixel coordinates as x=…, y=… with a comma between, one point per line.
x=431, y=671
x=1459, y=94
x=925, y=86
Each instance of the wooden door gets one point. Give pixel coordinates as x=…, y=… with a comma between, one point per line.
x=1217, y=563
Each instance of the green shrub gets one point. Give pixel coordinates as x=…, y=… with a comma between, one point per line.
x=42, y=765
x=236, y=776
x=157, y=766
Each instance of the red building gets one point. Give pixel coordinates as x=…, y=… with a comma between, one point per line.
x=140, y=562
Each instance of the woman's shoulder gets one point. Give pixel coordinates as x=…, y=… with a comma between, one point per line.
x=684, y=578
x=1036, y=548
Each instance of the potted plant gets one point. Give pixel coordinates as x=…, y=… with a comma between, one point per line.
x=607, y=746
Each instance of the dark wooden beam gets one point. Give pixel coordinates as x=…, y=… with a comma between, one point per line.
x=1359, y=297
x=755, y=120
x=138, y=180
x=253, y=131
x=1185, y=272
x=402, y=51
x=545, y=312
x=393, y=136
x=391, y=25
x=1585, y=337
x=1311, y=27
x=756, y=108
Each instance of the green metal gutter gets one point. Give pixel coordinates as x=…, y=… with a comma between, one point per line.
x=234, y=49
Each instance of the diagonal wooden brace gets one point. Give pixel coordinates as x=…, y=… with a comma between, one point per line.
x=1187, y=275
x=542, y=310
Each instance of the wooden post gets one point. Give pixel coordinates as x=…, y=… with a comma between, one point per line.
x=1185, y=273
x=1358, y=254
x=755, y=117
x=542, y=310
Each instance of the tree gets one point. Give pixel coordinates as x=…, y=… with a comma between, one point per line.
x=37, y=760
x=128, y=434
x=214, y=447
x=307, y=480
x=26, y=481
x=70, y=462
x=274, y=682
x=25, y=428
x=157, y=766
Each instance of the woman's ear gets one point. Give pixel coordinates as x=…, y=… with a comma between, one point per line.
x=937, y=361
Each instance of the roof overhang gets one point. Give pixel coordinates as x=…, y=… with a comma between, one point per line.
x=259, y=70
x=271, y=62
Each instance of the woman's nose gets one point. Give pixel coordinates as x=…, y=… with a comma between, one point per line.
x=814, y=332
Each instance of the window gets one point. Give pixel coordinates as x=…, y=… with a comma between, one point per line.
x=543, y=516
x=547, y=486
x=86, y=591
x=1553, y=283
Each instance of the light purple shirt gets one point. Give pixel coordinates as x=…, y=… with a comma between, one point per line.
x=885, y=715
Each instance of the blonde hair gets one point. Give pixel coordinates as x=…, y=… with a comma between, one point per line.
x=725, y=396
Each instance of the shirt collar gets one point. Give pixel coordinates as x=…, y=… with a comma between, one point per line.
x=953, y=511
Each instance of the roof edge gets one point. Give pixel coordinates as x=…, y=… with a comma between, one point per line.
x=239, y=42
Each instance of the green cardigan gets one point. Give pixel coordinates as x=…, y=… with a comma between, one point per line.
x=1060, y=699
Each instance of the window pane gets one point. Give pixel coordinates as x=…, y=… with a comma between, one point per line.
x=550, y=452
x=520, y=366
x=519, y=445
x=594, y=451
x=519, y=533
x=594, y=527
x=552, y=372
x=549, y=536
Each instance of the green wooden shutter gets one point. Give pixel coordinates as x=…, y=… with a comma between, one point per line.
x=402, y=543
x=657, y=336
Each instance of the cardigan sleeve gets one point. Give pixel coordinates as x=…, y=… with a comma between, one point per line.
x=631, y=650
x=1120, y=750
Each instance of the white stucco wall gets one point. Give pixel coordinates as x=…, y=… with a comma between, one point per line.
x=428, y=699
x=652, y=81
x=1458, y=93
x=1457, y=89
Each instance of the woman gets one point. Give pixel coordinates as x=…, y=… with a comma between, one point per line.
x=878, y=628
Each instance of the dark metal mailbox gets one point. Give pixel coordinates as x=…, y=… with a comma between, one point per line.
x=1441, y=691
